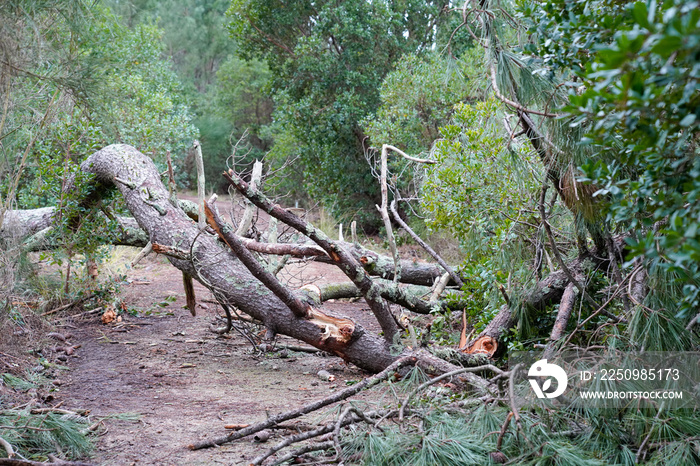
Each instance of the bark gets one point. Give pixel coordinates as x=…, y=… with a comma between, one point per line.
x=166, y=224
x=340, y=257
x=565, y=308
x=406, y=297
x=24, y=223
x=189, y=293
x=34, y=227
x=547, y=291
x=412, y=272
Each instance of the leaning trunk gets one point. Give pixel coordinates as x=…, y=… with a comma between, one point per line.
x=147, y=199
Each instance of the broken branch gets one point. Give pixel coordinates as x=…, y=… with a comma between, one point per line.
x=338, y=396
x=335, y=251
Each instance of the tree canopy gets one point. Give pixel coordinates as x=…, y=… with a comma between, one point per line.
x=328, y=60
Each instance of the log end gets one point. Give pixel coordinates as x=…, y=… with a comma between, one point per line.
x=483, y=345
x=336, y=333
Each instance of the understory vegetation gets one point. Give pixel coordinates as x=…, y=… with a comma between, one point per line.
x=549, y=150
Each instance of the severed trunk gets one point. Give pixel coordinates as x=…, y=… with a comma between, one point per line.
x=138, y=180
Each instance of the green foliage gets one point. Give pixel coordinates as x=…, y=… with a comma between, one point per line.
x=141, y=101
x=327, y=61
x=637, y=96
x=472, y=432
x=194, y=36
x=129, y=95
x=225, y=94
x=418, y=98
x=240, y=107
x=33, y=435
x=484, y=192
x=83, y=80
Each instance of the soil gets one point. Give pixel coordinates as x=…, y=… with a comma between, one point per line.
x=162, y=379
x=182, y=381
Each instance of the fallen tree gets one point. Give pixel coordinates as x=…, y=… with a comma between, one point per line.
x=234, y=275
x=236, y=278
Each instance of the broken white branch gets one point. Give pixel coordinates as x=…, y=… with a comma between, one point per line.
x=142, y=254
x=200, y=184
x=247, y=217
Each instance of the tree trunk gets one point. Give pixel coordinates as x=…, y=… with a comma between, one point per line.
x=138, y=180
x=547, y=291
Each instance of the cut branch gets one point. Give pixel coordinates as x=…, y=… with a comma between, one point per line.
x=335, y=251
x=247, y=218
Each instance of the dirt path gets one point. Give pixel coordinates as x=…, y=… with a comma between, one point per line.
x=183, y=381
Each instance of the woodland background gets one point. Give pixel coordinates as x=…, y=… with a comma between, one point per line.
x=564, y=135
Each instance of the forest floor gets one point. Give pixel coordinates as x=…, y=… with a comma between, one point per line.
x=163, y=379
x=181, y=380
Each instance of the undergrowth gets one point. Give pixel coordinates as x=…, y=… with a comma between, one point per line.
x=446, y=430
x=33, y=435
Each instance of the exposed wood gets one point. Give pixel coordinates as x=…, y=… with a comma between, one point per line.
x=199, y=162
x=335, y=333
x=335, y=251
x=142, y=254
x=247, y=217
x=483, y=345
x=565, y=307
x=7, y=447
x=171, y=252
x=383, y=209
x=236, y=426
x=440, y=286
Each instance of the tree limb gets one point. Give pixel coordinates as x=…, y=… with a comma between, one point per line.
x=425, y=246
x=335, y=251
x=292, y=414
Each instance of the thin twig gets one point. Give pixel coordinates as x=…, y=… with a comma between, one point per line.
x=557, y=254
x=425, y=246
x=306, y=449
x=444, y=376
x=293, y=414
x=506, y=423
x=641, y=452
x=513, y=407
x=8, y=447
